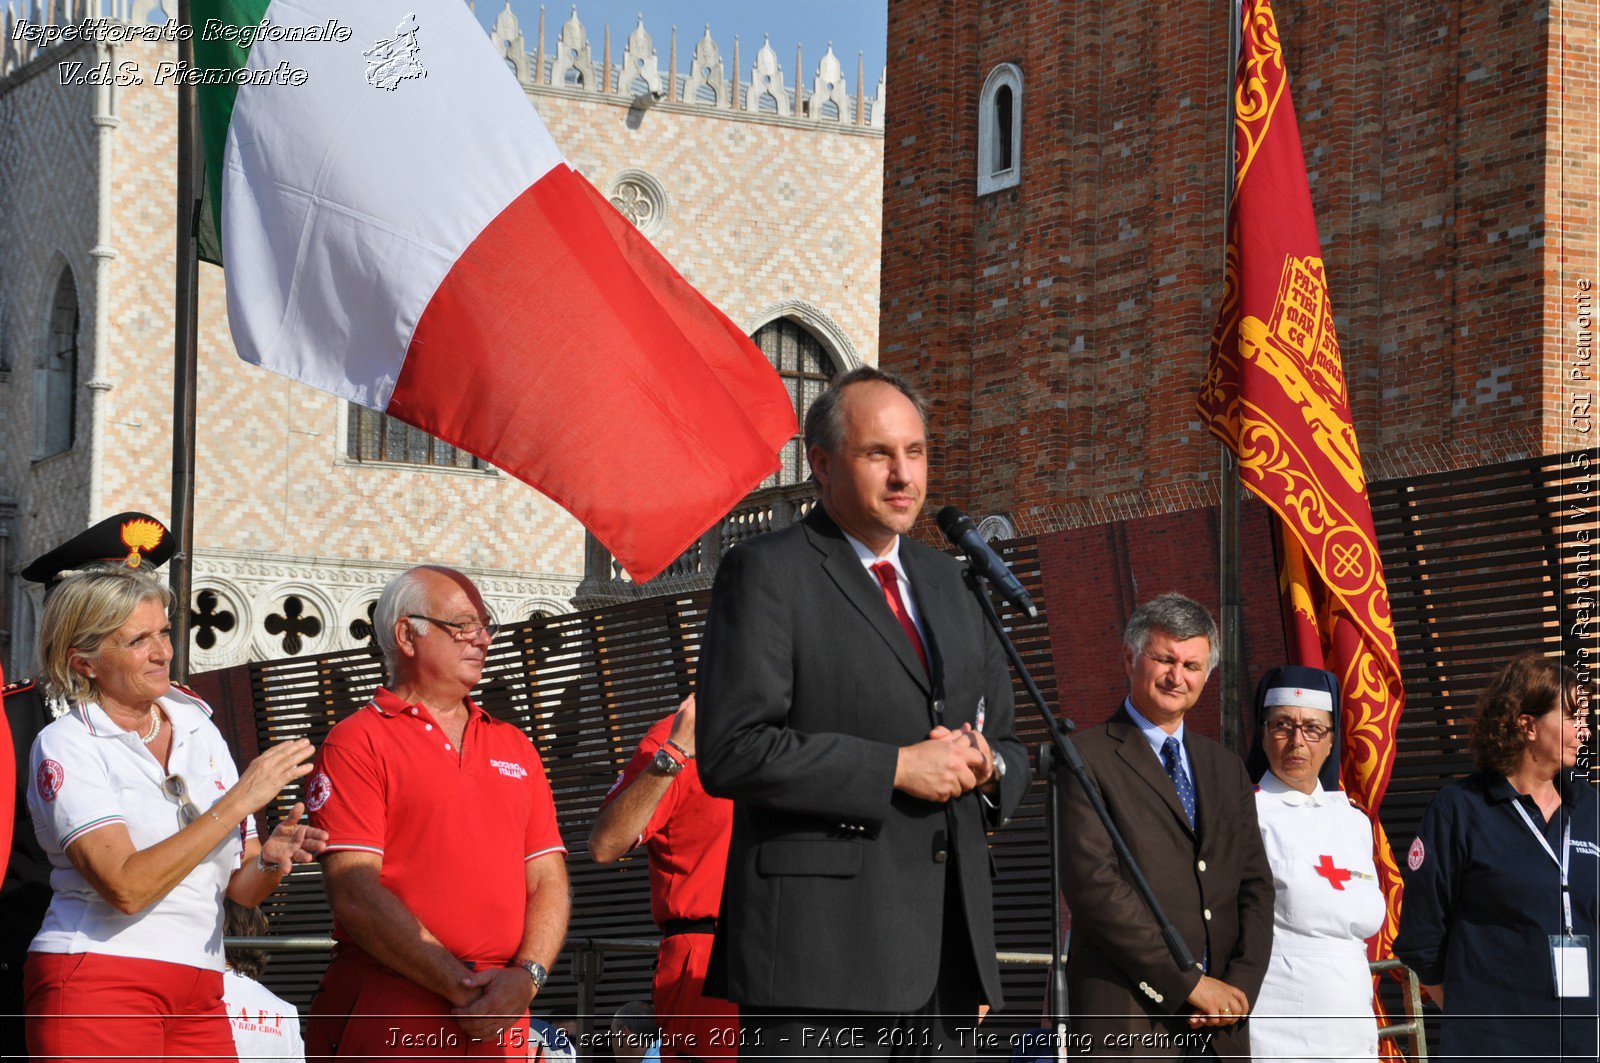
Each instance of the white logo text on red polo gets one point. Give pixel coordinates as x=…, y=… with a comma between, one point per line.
x=510, y=768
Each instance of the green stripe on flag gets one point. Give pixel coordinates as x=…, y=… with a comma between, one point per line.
x=216, y=104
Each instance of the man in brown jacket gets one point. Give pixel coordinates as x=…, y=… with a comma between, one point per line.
x=1187, y=810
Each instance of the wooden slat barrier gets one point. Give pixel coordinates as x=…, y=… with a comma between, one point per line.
x=1481, y=563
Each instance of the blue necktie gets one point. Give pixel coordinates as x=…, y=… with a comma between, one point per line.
x=1180, y=778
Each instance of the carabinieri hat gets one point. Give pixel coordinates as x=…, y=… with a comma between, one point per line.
x=134, y=539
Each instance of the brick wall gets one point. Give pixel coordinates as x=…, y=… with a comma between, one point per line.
x=1095, y=577
x=1062, y=325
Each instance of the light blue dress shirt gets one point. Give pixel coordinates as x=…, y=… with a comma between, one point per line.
x=1158, y=738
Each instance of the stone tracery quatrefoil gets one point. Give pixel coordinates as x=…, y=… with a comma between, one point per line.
x=295, y=624
x=641, y=199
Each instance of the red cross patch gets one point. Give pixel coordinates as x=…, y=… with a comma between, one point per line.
x=51, y=776
x=1336, y=876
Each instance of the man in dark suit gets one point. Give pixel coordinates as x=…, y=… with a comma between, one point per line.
x=858, y=711
x=1188, y=812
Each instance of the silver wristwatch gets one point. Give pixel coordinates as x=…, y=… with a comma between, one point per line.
x=537, y=972
x=666, y=763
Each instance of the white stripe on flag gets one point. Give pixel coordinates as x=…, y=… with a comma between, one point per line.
x=345, y=204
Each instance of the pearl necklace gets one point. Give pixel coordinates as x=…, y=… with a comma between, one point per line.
x=155, y=726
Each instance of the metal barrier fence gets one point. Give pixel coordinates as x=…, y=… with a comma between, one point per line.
x=588, y=966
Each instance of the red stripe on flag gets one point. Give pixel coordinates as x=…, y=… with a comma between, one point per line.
x=8, y=781
x=563, y=348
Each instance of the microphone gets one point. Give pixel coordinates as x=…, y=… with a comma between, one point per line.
x=960, y=530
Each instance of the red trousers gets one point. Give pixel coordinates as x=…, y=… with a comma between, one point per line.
x=365, y=1009
x=110, y=1008
x=693, y=1025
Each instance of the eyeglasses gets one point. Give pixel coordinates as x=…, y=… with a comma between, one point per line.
x=1285, y=729
x=177, y=789
x=460, y=630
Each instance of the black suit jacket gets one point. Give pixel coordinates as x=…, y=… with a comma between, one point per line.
x=835, y=891
x=1215, y=888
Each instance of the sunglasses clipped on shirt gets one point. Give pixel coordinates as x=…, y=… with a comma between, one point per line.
x=176, y=788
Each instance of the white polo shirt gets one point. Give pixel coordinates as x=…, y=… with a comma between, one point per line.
x=86, y=773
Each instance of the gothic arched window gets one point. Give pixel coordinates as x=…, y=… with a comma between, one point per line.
x=805, y=367
x=1000, y=130
x=55, y=374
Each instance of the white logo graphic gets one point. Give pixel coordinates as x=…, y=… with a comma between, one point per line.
x=510, y=768
x=318, y=790
x=393, y=61
x=1416, y=855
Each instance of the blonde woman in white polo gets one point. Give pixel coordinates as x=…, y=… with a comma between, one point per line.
x=146, y=822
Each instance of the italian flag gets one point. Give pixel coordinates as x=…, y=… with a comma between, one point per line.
x=399, y=229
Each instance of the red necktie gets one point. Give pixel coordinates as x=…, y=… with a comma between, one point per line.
x=885, y=572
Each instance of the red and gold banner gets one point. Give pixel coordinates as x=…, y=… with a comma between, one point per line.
x=1275, y=394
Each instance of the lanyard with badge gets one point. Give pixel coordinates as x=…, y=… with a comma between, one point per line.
x=1569, y=952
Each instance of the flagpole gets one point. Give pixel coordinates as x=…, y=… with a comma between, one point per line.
x=185, y=325
x=1228, y=502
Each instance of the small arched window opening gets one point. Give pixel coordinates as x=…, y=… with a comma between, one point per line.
x=55, y=374
x=805, y=368
x=1000, y=130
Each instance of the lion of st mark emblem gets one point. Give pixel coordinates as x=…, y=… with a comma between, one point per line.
x=1300, y=349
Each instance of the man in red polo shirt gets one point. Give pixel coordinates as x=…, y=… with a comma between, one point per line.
x=444, y=868
x=658, y=802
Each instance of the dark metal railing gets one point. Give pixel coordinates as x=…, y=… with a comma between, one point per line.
x=604, y=581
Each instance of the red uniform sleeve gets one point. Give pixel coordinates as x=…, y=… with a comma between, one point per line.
x=653, y=740
x=345, y=795
x=544, y=836
x=8, y=781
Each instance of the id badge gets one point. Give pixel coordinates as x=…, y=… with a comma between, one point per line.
x=1569, y=956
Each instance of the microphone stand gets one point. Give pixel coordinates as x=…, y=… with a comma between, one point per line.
x=1056, y=759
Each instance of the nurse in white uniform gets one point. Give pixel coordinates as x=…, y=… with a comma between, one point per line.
x=1316, y=1001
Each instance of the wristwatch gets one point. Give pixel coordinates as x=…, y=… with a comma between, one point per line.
x=537, y=972
x=999, y=766
x=666, y=763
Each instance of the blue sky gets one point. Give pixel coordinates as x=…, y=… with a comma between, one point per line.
x=858, y=26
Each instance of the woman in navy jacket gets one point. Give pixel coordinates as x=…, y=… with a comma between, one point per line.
x=1484, y=893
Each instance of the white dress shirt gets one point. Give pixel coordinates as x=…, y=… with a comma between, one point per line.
x=868, y=559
